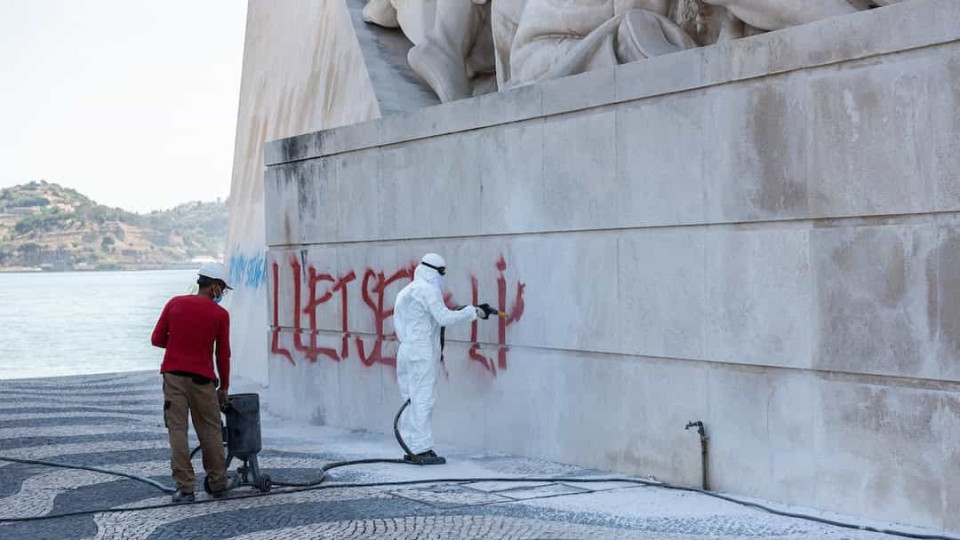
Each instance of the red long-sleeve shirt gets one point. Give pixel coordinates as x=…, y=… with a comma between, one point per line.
x=189, y=328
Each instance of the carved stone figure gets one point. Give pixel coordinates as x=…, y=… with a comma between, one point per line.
x=555, y=38
x=453, y=42
x=778, y=14
x=460, y=45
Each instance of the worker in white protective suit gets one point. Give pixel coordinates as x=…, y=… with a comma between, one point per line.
x=419, y=313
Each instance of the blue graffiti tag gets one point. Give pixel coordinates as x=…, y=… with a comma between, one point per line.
x=248, y=270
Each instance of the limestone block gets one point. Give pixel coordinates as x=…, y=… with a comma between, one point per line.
x=876, y=299
x=513, y=190
x=532, y=382
x=660, y=397
x=287, y=149
x=351, y=137
x=579, y=169
x=358, y=195
x=321, y=269
x=856, y=166
x=660, y=180
x=282, y=384
x=738, y=425
x=403, y=190
x=362, y=398
x=829, y=41
x=281, y=200
x=513, y=105
x=322, y=143
x=431, y=188
x=282, y=280
x=578, y=92
x=571, y=292
x=878, y=452
x=599, y=418
x=368, y=262
x=462, y=381
x=947, y=293
x=659, y=75
x=791, y=407
x=445, y=118
x=947, y=425
x=663, y=293
x=758, y=296
x=754, y=157
x=944, y=128
x=319, y=202
x=302, y=390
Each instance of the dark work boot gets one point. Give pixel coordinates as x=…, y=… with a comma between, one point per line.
x=232, y=482
x=426, y=458
x=182, y=497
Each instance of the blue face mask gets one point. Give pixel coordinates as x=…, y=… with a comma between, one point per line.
x=219, y=298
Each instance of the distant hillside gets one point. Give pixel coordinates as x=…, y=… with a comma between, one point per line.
x=44, y=225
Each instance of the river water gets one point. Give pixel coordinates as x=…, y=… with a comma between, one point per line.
x=77, y=323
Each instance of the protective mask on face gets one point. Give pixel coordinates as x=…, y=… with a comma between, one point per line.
x=219, y=298
x=438, y=281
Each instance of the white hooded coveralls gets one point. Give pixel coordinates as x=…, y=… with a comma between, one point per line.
x=419, y=312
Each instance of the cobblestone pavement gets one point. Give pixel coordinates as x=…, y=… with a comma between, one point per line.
x=115, y=421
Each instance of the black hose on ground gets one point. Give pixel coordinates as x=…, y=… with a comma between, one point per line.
x=148, y=481
x=338, y=464
x=318, y=485
x=638, y=481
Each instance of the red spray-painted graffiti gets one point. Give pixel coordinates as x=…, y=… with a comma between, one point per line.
x=373, y=291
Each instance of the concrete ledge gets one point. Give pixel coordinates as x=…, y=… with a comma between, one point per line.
x=862, y=139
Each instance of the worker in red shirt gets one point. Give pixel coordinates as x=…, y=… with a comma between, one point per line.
x=192, y=328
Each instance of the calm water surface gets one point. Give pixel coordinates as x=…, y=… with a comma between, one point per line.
x=83, y=322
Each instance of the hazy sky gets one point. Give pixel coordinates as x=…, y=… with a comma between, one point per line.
x=132, y=102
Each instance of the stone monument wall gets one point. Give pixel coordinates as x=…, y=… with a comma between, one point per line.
x=762, y=235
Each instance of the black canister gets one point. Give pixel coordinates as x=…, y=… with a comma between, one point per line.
x=243, y=425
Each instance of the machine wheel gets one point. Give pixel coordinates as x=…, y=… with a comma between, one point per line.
x=264, y=484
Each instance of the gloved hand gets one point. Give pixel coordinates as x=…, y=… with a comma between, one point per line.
x=487, y=310
x=481, y=313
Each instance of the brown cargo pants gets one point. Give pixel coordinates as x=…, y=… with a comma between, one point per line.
x=182, y=396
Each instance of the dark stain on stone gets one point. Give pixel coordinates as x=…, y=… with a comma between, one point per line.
x=319, y=417
x=895, y=282
x=864, y=325
x=931, y=271
x=780, y=192
x=307, y=193
x=948, y=287
x=908, y=418
x=842, y=256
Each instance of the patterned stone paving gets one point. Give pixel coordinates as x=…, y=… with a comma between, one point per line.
x=114, y=421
